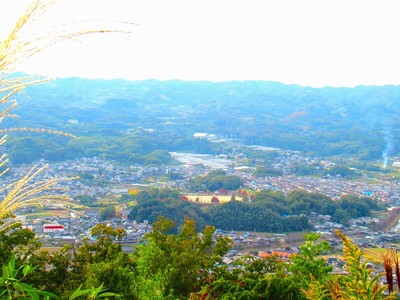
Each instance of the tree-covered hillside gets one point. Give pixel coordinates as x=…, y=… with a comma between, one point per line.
x=361, y=122
x=269, y=211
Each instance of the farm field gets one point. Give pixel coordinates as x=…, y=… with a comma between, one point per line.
x=374, y=254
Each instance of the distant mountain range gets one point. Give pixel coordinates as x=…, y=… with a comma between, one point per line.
x=361, y=122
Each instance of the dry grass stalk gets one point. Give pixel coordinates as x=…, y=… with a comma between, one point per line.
x=360, y=283
x=395, y=259
x=30, y=191
x=37, y=130
x=388, y=266
x=18, y=46
x=21, y=44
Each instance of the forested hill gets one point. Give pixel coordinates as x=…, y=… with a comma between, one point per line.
x=362, y=122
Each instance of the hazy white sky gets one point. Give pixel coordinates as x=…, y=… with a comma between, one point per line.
x=306, y=42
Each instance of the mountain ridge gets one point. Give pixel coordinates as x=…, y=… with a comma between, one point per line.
x=355, y=122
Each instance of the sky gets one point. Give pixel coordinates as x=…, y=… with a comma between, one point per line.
x=307, y=42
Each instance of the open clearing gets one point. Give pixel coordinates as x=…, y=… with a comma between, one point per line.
x=374, y=254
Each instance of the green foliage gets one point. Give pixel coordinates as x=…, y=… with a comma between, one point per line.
x=316, y=290
x=251, y=278
x=342, y=171
x=16, y=239
x=214, y=181
x=302, y=169
x=268, y=211
x=354, y=207
x=358, y=284
x=165, y=202
x=186, y=265
x=104, y=247
x=342, y=216
x=257, y=216
x=107, y=213
x=308, y=260
x=117, y=274
x=338, y=122
x=28, y=149
x=146, y=150
x=273, y=200
x=13, y=287
x=186, y=258
x=302, y=202
x=155, y=194
x=262, y=171
x=85, y=176
x=269, y=196
x=100, y=261
x=92, y=293
x=85, y=199
x=159, y=157
x=271, y=211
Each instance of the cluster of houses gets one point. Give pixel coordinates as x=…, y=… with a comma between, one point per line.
x=60, y=230
x=70, y=229
x=332, y=186
x=99, y=176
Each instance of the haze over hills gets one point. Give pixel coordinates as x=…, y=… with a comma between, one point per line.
x=360, y=122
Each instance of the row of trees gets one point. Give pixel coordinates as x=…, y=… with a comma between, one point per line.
x=184, y=265
x=167, y=266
